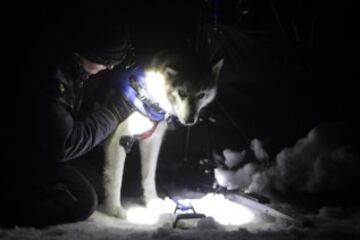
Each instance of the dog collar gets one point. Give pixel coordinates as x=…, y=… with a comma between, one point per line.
x=134, y=91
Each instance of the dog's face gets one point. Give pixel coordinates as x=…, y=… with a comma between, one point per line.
x=187, y=88
x=188, y=94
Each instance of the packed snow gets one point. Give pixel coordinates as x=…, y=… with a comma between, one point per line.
x=323, y=163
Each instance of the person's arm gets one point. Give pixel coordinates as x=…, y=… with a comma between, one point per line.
x=63, y=137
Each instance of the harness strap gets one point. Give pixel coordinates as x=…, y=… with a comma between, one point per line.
x=133, y=89
x=147, y=133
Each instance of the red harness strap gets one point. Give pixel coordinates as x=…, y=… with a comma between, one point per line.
x=148, y=133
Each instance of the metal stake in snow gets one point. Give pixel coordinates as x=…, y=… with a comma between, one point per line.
x=184, y=208
x=186, y=215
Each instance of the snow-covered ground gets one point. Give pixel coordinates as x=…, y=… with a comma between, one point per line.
x=102, y=227
x=303, y=181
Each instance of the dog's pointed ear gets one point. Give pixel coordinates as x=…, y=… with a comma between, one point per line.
x=216, y=68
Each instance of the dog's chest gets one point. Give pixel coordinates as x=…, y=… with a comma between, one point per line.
x=137, y=125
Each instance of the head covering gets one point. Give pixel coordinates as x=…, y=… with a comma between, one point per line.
x=103, y=43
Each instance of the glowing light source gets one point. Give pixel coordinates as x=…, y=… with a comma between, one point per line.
x=223, y=211
x=151, y=213
x=156, y=88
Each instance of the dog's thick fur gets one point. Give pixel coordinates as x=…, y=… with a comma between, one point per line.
x=190, y=85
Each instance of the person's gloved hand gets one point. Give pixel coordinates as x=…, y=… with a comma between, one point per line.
x=120, y=91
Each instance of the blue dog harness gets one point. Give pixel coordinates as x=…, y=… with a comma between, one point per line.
x=134, y=90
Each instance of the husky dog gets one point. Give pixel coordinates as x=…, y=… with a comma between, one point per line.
x=183, y=88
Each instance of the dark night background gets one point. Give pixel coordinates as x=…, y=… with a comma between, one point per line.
x=289, y=66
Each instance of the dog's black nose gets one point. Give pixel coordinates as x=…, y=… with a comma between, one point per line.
x=190, y=121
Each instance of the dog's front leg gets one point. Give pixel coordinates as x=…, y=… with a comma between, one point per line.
x=113, y=173
x=149, y=150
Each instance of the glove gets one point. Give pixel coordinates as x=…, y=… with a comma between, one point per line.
x=119, y=85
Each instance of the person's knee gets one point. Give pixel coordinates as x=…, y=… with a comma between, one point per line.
x=87, y=207
x=85, y=203
x=75, y=195
x=63, y=196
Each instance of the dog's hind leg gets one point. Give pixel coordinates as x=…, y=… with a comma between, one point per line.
x=113, y=174
x=149, y=150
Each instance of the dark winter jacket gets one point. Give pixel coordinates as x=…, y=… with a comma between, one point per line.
x=62, y=134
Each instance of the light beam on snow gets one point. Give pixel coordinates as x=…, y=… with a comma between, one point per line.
x=151, y=213
x=223, y=211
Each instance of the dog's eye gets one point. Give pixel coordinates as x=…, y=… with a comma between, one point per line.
x=182, y=94
x=200, y=95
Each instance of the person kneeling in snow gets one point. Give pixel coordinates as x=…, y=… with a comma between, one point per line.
x=44, y=188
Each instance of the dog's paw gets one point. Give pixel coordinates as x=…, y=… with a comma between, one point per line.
x=151, y=200
x=114, y=211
